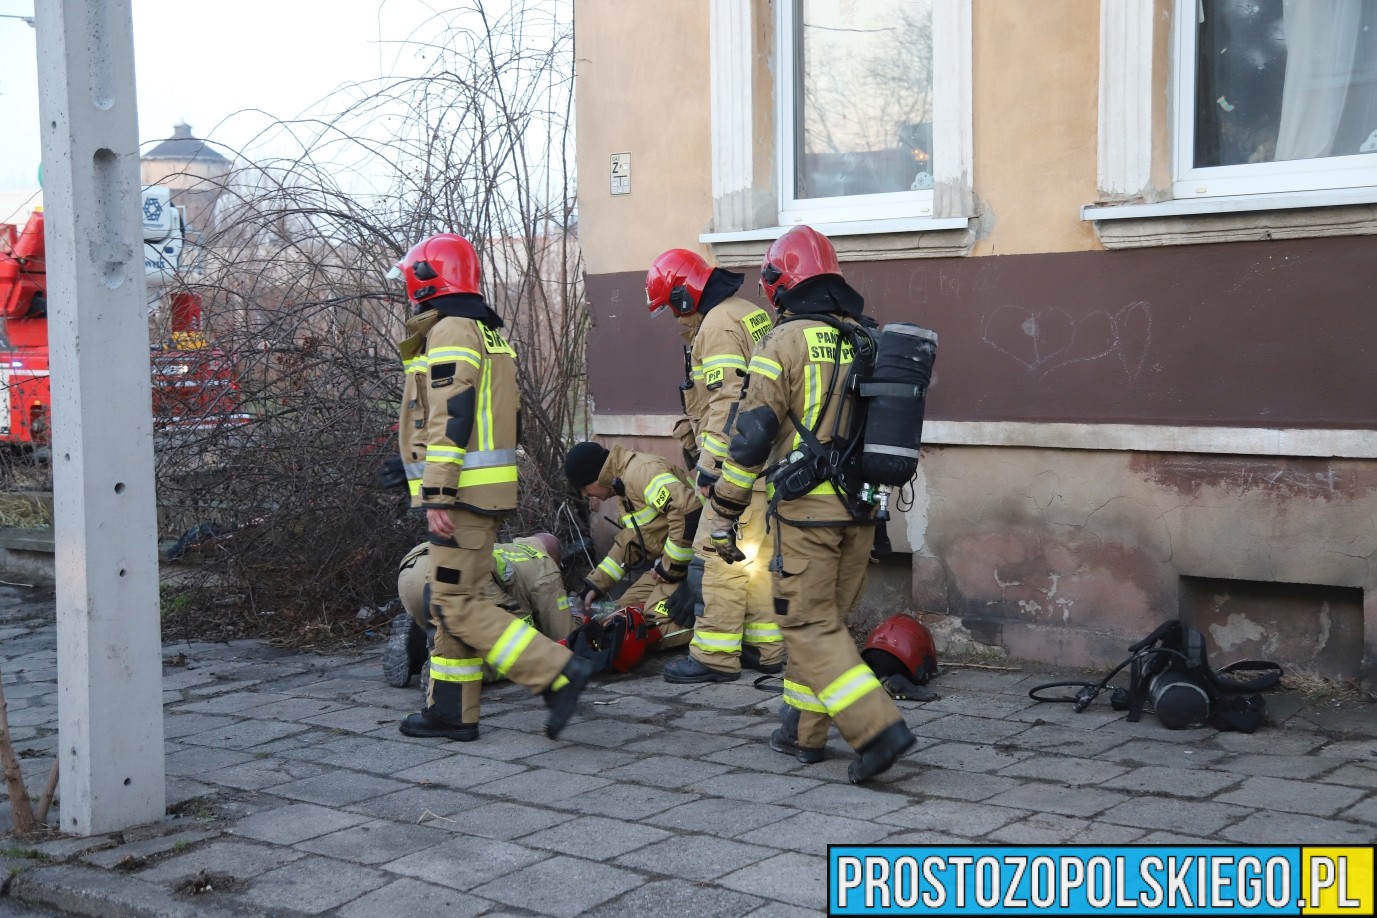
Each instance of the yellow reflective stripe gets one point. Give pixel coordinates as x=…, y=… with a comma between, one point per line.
x=798, y=695
x=510, y=645
x=697, y=373
x=766, y=367
x=413, y=485
x=454, y=454
x=417, y=364
x=559, y=683
x=468, y=669
x=677, y=553
x=725, y=361
x=640, y=517
x=739, y=477
x=849, y=686
x=466, y=354
x=663, y=480
x=825, y=488
x=485, y=441
x=716, y=641
x=562, y=603
x=504, y=571
x=714, y=444
x=476, y=478
x=612, y=569
x=812, y=399
x=763, y=633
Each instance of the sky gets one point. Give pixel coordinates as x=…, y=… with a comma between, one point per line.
x=202, y=62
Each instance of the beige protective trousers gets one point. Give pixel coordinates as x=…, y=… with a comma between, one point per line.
x=738, y=607
x=824, y=570
x=652, y=594
x=471, y=629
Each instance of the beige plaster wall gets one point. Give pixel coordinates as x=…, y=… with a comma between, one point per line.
x=642, y=87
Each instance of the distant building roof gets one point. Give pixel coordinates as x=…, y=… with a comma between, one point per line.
x=186, y=148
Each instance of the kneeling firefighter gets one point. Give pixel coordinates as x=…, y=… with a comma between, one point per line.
x=457, y=432
x=802, y=421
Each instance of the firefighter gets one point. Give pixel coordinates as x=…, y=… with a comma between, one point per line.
x=737, y=627
x=526, y=581
x=795, y=408
x=457, y=434
x=658, y=512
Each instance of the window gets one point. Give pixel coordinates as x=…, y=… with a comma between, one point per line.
x=855, y=109
x=1275, y=96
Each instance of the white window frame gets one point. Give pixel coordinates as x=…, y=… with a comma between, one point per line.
x=1357, y=171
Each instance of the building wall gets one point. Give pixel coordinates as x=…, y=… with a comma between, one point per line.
x=1117, y=437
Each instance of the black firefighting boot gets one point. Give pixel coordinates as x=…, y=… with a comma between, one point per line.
x=405, y=652
x=876, y=756
x=750, y=659
x=785, y=739
x=562, y=697
x=443, y=717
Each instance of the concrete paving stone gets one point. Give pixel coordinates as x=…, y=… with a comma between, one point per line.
x=337, y=788
x=1188, y=817
x=147, y=848
x=1056, y=798
x=407, y=897
x=584, y=760
x=630, y=801
x=972, y=729
x=380, y=756
x=295, y=822
x=967, y=820
x=313, y=885
x=1149, y=727
x=1095, y=717
x=189, y=678
x=1270, y=828
x=510, y=745
x=606, y=732
x=420, y=803
x=76, y=889
x=198, y=760
x=1351, y=750
x=65, y=846
x=540, y=786
x=1173, y=838
x=27, y=689
x=1271, y=742
x=724, y=818
x=1063, y=770
x=229, y=703
x=241, y=860
x=700, y=858
x=687, y=743
x=848, y=800
x=459, y=771
x=735, y=697
x=179, y=789
x=38, y=716
x=1296, y=767
x=667, y=771
x=794, y=878
x=262, y=773
x=332, y=688
x=679, y=899
x=581, y=886
x=505, y=821
x=715, y=723
x=811, y=833
x=1014, y=681
x=651, y=688
x=1051, y=829
x=177, y=725
x=1065, y=740
x=243, y=735
x=1173, y=782
x=298, y=745
x=631, y=708
x=354, y=719
x=1307, y=797
x=293, y=709
x=23, y=734
x=979, y=704
x=966, y=757
x=757, y=787
x=1335, y=719
x=398, y=699
x=1362, y=812
x=597, y=837
x=1355, y=775
x=375, y=842
x=464, y=862
x=755, y=756
x=527, y=718
x=1148, y=752
x=781, y=910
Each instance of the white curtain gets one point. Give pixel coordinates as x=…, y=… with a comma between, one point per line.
x=1329, y=98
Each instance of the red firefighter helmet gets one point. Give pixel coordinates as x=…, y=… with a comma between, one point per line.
x=901, y=644
x=675, y=281
x=439, y=265
x=617, y=642
x=799, y=254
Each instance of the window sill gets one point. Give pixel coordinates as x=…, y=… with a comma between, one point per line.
x=862, y=240
x=1240, y=218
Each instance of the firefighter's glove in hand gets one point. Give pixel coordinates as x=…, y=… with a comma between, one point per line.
x=722, y=537
x=589, y=588
x=679, y=605
x=671, y=574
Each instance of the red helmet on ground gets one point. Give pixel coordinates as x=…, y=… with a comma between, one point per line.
x=799, y=254
x=676, y=280
x=439, y=265
x=615, y=643
x=901, y=645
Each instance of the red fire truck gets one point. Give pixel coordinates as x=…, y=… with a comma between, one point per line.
x=194, y=385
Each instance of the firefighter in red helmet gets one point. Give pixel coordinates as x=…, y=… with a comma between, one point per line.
x=737, y=627
x=457, y=434
x=795, y=402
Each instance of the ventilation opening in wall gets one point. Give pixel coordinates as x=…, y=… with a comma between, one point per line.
x=1307, y=628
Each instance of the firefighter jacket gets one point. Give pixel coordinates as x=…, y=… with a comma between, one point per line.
x=458, y=425
x=721, y=353
x=531, y=577
x=795, y=369
x=659, y=513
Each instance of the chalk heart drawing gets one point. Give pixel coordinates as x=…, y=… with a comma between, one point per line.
x=1047, y=340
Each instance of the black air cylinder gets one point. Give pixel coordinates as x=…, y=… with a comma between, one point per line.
x=897, y=397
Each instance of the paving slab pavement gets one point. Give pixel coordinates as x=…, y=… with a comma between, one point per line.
x=290, y=791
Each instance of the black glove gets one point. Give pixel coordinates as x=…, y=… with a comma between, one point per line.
x=679, y=605
x=672, y=574
x=589, y=588
x=392, y=473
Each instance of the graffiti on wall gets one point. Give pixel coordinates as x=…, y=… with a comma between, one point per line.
x=1051, y=339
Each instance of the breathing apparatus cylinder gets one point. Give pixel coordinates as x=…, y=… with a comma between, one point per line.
x=1179, y=702
x=897, y=399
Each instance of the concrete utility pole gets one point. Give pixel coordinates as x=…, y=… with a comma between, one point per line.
x=110, y=727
